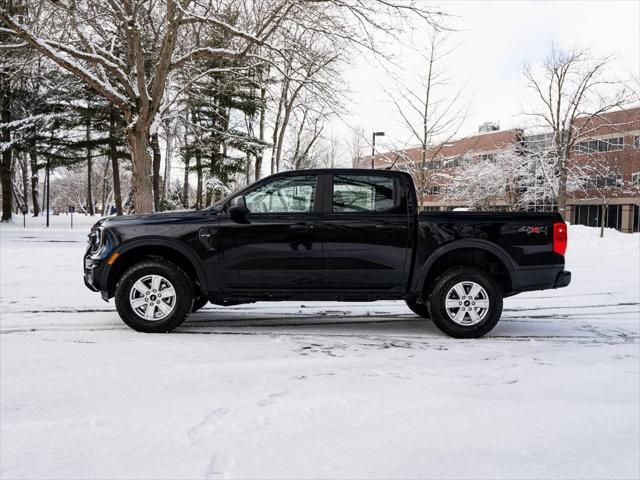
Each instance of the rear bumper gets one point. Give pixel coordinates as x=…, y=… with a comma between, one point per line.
x=563, y=279
x=543, y=278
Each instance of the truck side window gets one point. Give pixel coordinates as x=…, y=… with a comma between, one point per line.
x=362, y=193
x=283, y=195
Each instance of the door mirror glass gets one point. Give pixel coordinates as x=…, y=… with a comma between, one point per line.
x=238, y=210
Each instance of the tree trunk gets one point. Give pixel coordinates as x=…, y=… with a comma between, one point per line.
x=17, y=196
x=167, y=162
x=603, y=218
x=185, y=185
x=104, y=189
x=142, y=185
x=34, y=183
x=115, y=161
x=276, y=126
x=90, y=207
x=24, y=165
x=260, y=155
x=44, y=192
x=247, y=172
x=212, y=164
x=283, y=129
x=199, y=185
x=155, y=147
x=5, y=167
x=562, y=190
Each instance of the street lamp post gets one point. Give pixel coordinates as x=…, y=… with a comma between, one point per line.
x=373, y=146
x=47, y=180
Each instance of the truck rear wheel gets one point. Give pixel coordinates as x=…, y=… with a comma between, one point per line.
x=465, y=303
x=154, y=296
x=417, y=308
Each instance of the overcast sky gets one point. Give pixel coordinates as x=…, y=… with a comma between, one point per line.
x=495, y=38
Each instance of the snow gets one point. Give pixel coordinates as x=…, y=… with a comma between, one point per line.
x=316, y=389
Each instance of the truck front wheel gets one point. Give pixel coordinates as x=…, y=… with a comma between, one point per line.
x=465, y=303
x=154, y=296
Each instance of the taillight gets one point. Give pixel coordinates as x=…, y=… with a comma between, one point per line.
x=560, y=238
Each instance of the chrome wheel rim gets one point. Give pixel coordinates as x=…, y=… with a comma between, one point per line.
x=152, y=298
x=467, y=303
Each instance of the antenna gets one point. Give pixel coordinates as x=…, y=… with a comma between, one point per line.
x=394, y=162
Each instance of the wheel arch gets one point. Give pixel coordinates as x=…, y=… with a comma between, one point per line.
x=473, y=253
x=136, y=250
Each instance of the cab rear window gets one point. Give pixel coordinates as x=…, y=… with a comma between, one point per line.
x=362, y=193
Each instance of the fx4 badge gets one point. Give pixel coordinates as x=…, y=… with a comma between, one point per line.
x=531, y=230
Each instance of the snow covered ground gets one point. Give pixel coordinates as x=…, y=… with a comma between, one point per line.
x=317, y=390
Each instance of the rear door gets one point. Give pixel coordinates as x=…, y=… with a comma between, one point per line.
x=366, y=231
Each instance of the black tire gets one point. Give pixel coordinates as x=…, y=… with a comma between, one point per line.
x=198, y=303
x=446, y=282
x=418, y=308
x=182, y=305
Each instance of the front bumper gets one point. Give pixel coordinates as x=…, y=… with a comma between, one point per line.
x=93, y=268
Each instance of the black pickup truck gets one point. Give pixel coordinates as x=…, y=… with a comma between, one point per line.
x=339, y=234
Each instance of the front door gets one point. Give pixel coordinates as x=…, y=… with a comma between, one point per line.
x=279, y=244
x=366, y=232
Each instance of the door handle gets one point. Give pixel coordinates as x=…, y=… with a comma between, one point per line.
x=302, y=226
x=386, y=226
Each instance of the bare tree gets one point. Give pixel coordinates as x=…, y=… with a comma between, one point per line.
x=572, y=88
x=431, y=112
x=309, y=127
x=357, y=145
x=308, y=75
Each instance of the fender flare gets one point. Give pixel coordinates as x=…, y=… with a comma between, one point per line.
x=163, y=242
x=479, y=244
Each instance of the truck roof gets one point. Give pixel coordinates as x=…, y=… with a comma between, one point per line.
x=339, y=170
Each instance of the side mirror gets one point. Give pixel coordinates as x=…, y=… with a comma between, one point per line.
x=238, y=210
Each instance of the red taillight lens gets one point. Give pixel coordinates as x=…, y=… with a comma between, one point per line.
x=560, y=238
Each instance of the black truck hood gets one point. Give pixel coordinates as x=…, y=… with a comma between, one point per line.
x=155, y=218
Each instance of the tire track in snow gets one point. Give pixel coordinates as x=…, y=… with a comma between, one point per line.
x=325, y=314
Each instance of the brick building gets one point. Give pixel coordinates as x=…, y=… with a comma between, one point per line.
x=605, y=166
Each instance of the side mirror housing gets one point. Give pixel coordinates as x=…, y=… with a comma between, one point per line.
x=238, y=210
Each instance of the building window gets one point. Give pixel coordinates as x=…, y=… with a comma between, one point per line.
x=488, y=157
x=612, y=144
x=636, y=141
x=434, y=165
x=635, y=178
x=451, y=162
x=600, y=181
x=433, y=190
x=608, y=145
